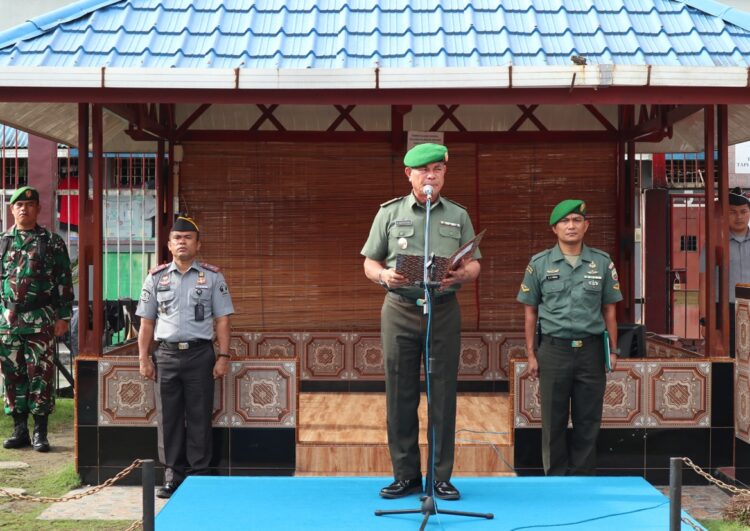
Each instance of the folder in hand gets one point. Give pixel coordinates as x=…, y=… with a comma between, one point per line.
x=607, y=360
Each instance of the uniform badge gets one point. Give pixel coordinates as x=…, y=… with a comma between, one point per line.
x=616, y=287
x=525, y=288
x=145, y=295
x=201, y=277
x=593, y=282
x=553, y=271
x=614, y=275
x=28, y=193
x=592, y=265
x=529, y=269
x=223, y=288
x=611, y=265
x=403, y=243
x=164, y=280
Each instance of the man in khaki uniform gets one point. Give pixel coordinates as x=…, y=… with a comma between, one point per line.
x=571, y=291
x=398, y=228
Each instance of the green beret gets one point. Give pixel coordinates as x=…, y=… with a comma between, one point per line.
x=423, y=154
x=25, y=193
x=563, y=208
x=184, y=224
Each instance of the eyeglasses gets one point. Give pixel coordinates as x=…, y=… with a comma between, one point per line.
x=425, y=169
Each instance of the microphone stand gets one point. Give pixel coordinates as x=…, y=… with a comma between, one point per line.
x=429, y=506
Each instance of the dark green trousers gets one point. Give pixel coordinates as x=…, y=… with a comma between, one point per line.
x=403, y=330
x=571, y=384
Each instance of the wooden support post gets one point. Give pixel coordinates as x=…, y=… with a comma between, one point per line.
x=97, y=237
x=85, y=229
x=722, y=135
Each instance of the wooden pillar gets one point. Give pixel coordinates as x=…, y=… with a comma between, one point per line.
x=625, y=221
x=722, y=135
x=714, y=341
x=162, y=253
x=97, y=241
x=84, y=234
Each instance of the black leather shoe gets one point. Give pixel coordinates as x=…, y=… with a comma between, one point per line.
x=167, y=490
x=401, y=488
x=445, y=491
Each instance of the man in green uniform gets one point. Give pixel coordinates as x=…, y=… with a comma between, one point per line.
x=399, y=228
x=571, y=291
x=37, y=297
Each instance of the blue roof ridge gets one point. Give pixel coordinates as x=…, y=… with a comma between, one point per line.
x=729, y=14
x=48, y=21
x=409, y=31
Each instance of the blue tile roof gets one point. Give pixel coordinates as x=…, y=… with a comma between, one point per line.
x=394, y=33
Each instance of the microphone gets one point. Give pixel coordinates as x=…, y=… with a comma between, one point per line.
x=427, y=190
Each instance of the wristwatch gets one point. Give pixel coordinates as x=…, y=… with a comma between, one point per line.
x=380, y=278
x=222, y=355
x=615, y=351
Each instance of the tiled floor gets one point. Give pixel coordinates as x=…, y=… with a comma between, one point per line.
x=113, y=503
x=702, y=502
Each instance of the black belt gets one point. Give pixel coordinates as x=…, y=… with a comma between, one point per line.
x=574, y=343
x=17, y=307
x=183, y=345
x=441, y=299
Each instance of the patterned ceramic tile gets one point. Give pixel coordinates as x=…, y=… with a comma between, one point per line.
x=511, y=346
x=679, y=394
x=125, y=397
x=742, y=406
x=275, y=345
x=624, y=396
x=742, y=330
x=527, y=408
x=368, y=357
x=264, y=394
x=239, y=345
x=324, y=356
x=475, y=358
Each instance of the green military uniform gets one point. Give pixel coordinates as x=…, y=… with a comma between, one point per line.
x=569, y=301
x=398, y=228
x=36, y=289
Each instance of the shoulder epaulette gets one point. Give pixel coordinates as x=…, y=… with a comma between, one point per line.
x=539, y=255
x=210, y=267
x=597, y=251
x=391, y=201
x=158, y=268
x=455, y=202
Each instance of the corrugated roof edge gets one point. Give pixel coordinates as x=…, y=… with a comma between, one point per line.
x=38, y=25
x=729, y=14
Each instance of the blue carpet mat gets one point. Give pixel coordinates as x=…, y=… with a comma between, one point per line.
x=349, y=503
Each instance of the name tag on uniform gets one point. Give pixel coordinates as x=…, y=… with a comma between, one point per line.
x=450, y=224
x=403, y=222
x=594, y=277
x=553, y=277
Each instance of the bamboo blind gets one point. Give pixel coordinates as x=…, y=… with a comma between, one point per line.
x=286, y=223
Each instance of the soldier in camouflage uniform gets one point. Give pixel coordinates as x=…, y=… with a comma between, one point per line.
x=37, y=296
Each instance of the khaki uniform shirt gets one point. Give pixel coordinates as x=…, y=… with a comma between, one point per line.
x=170, y=298
x=569, y=299
x=398, y=228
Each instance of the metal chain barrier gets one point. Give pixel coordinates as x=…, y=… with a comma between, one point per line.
x=93, y=490
x=708, y=477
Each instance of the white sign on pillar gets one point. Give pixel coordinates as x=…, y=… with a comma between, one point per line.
x=415, y=138
x=742, y=158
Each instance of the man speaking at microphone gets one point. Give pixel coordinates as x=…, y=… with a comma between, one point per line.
x=399, y=228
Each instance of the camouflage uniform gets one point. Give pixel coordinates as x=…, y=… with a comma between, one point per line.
x=36, y=289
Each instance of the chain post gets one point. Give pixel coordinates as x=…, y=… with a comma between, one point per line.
x=675, y=493
x=147, y=477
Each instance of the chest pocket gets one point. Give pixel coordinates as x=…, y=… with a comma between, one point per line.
x=553, y=294
x=164, y=298
x=449, y=231
x=592, y=287
x=401, y=231
x=201, y=294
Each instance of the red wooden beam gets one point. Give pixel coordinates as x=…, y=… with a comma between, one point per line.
x=190, y=120
x=84, y=235
x=664, y=118
x=713, y=336
x=447, y=115
x=345, y=114
x=203, y=135
x=599, y=116
x=598, y=96
x=397, y=127
x=267, y=114
x=722, y=135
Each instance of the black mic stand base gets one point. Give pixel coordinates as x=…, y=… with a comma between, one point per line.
x=428, y=508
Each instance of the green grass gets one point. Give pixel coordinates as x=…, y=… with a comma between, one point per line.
x=723, y=525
